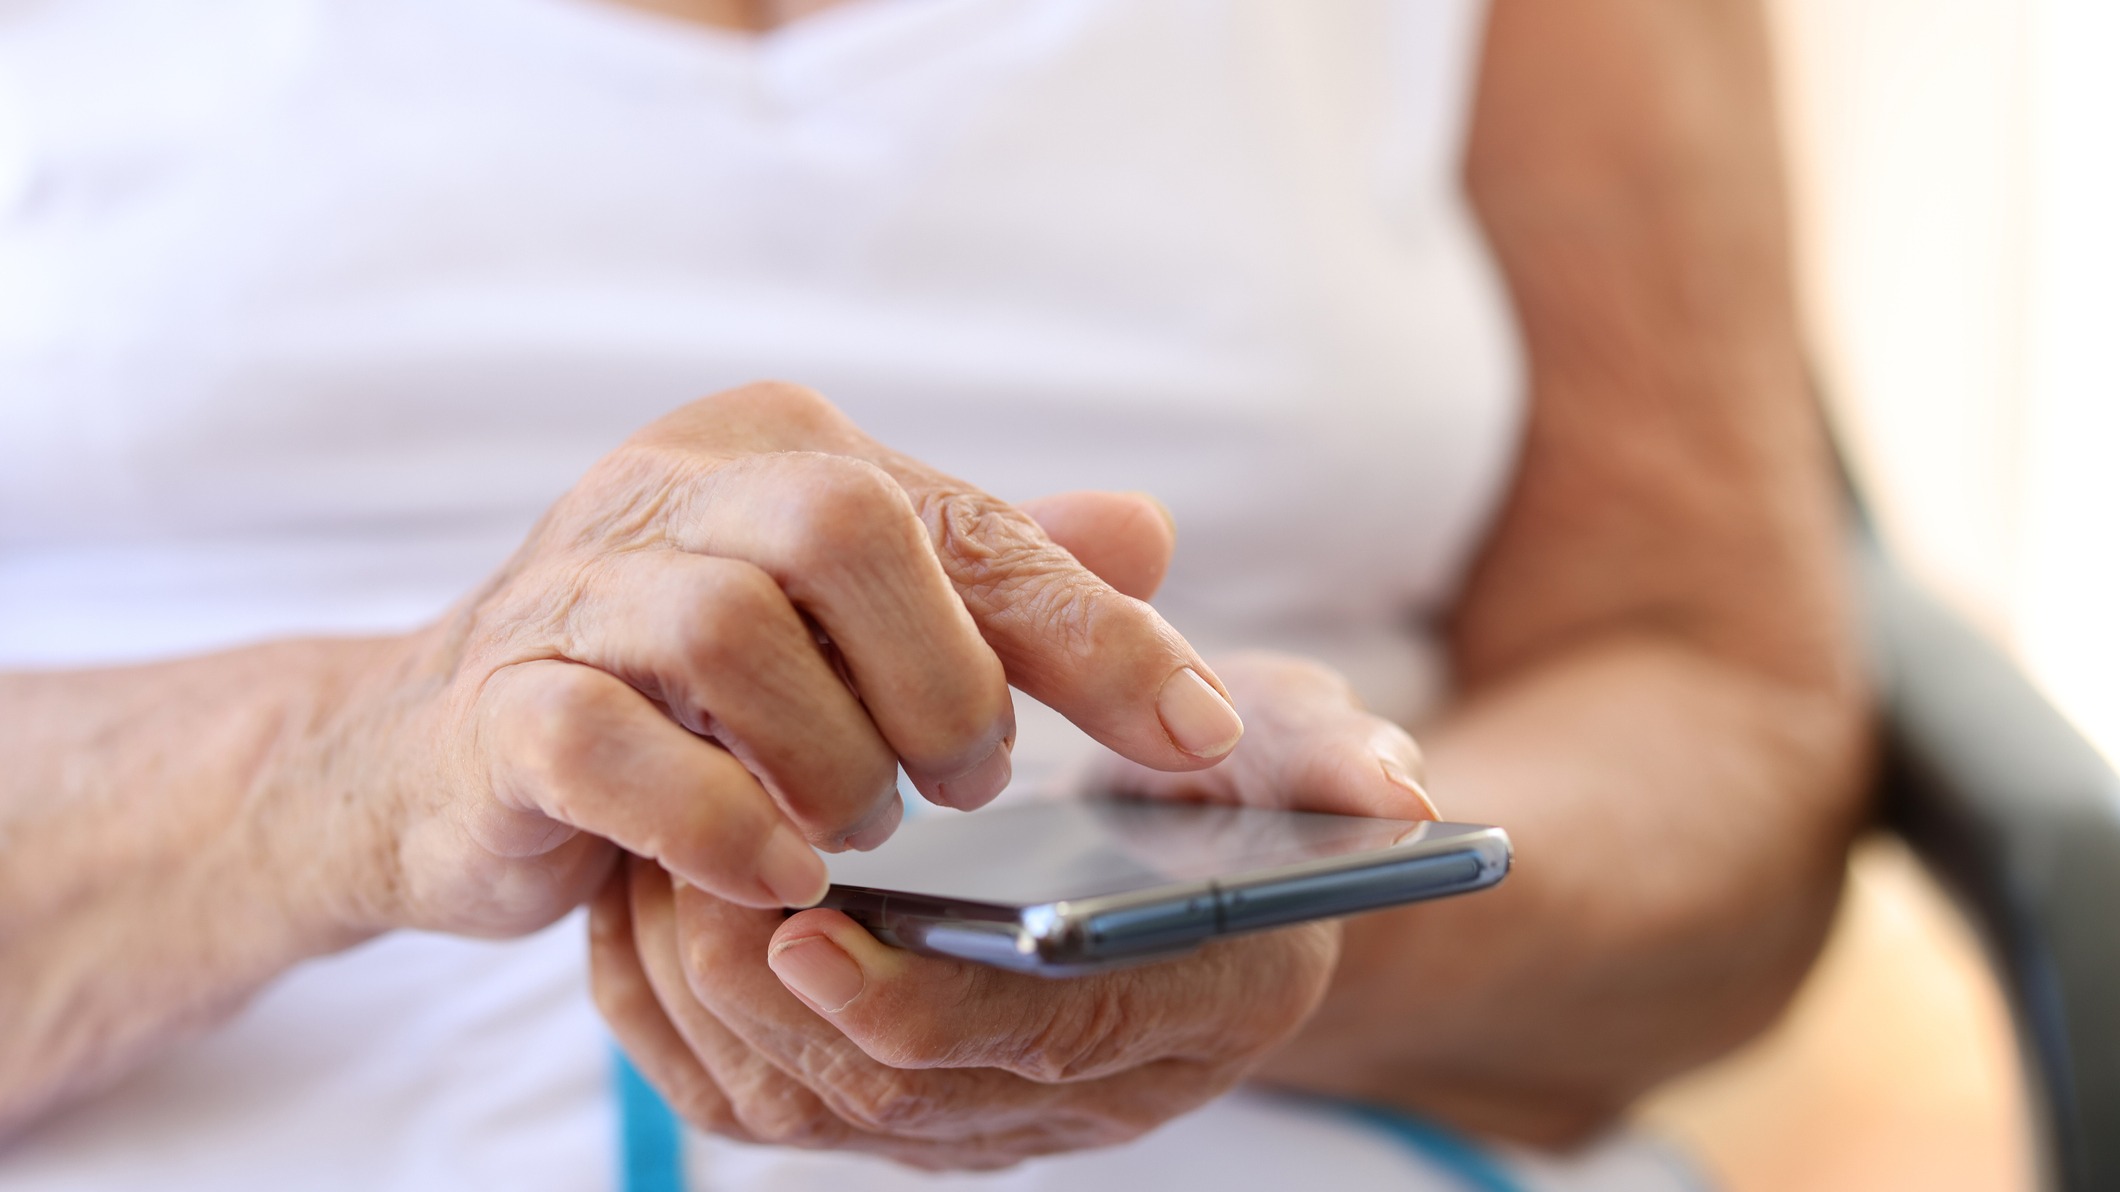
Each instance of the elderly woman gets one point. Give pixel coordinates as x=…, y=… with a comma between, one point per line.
x=1457, y=339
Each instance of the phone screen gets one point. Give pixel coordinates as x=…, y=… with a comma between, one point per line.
x=1029, y=853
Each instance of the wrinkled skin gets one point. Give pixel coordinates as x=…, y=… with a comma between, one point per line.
x=717, y=649
x=943, y=1064
x=1653, y=653
x=714, y=652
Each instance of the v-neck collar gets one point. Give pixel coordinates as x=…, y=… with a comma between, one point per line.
x=846, y=47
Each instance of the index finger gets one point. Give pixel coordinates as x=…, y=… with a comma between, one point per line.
x=1106, y=661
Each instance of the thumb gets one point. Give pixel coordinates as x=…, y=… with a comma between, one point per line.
x=1125, y=538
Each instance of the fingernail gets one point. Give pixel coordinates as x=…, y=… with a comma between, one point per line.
x=791, y=870
x=1397, y=776
x=977, y=786
x=1170, y=522
x=1198, y=719
x=880, y=824
x=819, y=972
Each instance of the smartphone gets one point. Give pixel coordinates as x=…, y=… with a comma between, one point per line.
x=1058, y=887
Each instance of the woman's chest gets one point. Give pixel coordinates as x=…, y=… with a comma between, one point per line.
x=377, y=272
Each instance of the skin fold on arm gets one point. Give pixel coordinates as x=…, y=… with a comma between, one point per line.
x=1658, y=686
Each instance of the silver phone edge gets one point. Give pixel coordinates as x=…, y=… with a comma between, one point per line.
x=1058, y=939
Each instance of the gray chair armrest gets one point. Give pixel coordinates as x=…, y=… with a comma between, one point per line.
x=2020, y=818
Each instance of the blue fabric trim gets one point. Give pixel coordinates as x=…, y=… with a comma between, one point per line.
x=651, y=1153
x=1458, y=1158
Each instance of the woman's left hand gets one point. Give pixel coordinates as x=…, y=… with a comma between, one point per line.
x=807, y=1031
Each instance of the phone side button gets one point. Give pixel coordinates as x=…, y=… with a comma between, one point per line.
x=1154, y=927
x=1275, y=902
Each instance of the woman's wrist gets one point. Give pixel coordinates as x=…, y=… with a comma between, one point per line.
x=324, y=795
x=164, y=857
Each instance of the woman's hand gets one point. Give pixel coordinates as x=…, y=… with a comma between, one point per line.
x=651, y=671
x=807, y=1031
x=714, y=652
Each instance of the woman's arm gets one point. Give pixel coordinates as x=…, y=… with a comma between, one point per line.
x=644, y=674
x=1660, y=695
x=152, y=873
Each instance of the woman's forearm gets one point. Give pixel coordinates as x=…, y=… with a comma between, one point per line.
x=1680, y=825
x=156, y=864
x=1656, y=648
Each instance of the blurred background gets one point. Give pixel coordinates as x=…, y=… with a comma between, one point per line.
x=1957, y=171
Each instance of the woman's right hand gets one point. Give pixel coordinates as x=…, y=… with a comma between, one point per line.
x=650, y=671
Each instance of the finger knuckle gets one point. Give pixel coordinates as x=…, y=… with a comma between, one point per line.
x=779, y=1112
x=848, y=511
x=986, y=538
x=721, y=625
x=565, y=721
x=1007, y=570
x=962, y=705
x=775, y=1123
x=883, y=1100
x=783, y=401
x=701, y=956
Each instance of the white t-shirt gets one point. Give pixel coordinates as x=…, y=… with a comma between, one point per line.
x=308, y=307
